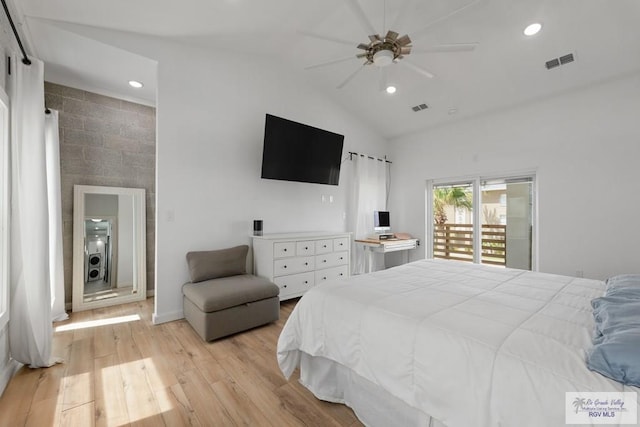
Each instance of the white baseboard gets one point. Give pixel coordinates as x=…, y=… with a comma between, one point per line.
x=167, y=317
x=7, y=373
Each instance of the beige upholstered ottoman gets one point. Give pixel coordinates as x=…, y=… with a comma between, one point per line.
x=222, y=299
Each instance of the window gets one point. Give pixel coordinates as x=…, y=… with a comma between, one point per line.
x=4, y=208
x=483, y=220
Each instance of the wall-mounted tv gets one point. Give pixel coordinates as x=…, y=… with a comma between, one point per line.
x=298, y=152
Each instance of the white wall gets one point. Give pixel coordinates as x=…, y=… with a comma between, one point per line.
x=211, y=113
x=585, y=146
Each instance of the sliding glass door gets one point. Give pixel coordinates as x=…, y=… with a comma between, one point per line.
x=483, y=220
x=453, y=221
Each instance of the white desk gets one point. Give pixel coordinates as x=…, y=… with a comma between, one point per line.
x=384, y=246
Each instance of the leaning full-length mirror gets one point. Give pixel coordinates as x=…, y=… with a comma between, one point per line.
x=109, y=261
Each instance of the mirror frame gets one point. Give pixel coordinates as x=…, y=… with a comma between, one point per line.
x=139, y=239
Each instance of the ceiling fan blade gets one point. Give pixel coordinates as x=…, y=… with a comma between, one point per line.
x=351, y=76
x=375, y=38
x=405, y=50
x=404, y=40
x=363, y=46
x=418, y=69
x=383, y=77
x=451, y=47
x=420, y=32
x=361, y=55
x=324, y=64
x=402, y=15
x=391, y=36
x=364, y=21
x=327, y=38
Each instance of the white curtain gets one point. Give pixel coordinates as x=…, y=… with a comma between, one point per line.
x=30, y=328
x=54, y=194
x=370, y=191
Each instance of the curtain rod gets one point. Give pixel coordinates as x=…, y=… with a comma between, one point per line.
x=351, y=154
x=25, y=59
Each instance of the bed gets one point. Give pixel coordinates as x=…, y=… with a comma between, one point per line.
x=446, y=343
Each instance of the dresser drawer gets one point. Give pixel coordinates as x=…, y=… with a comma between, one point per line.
x=305, y=248
x=284, y=249
x=295, y=260
x=331, y=274
x=287, y=266
x=295, y=284
x=324, y=246
x=341, y=244
x=331, y=260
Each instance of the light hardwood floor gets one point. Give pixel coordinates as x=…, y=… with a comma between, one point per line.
x=135, y=373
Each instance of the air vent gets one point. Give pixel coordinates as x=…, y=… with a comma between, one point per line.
x=552, y=64
x=556, y=62
x=420, y=107
x=566, y=59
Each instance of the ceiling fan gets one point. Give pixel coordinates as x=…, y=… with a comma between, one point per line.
x=380, y=52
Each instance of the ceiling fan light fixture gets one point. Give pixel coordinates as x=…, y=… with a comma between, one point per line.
x=382, y=58
x=391, y=90
x=532, y=29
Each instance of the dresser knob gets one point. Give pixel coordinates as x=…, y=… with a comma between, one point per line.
x=341, y=274
x=324, y=260
x=284, y=266
x=324, y=246
x=306, y=248
x=306, y=281
x=324, y=278
x=285, y=249
x=306, y=263
x=284, y=286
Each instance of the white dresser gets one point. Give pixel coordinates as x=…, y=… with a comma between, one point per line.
x=297, y=261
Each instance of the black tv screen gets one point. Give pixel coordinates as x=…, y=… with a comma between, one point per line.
x=297, y=152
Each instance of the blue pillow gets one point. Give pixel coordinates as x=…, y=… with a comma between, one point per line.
x=628, y=293
x=617, y=356
x=614, y=312
x=623, y=281
x=616, y=348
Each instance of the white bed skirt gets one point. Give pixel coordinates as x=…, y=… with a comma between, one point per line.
x=373, y=406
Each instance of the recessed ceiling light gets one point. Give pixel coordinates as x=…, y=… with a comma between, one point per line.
x=532, y=29
x=391, y=89
x=135, y=83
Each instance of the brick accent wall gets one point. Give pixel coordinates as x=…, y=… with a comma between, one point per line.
x=103, y=141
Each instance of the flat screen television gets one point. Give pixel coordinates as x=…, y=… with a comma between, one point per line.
x=298, y=152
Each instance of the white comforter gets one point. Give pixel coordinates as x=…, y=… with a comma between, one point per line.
x=470, y=345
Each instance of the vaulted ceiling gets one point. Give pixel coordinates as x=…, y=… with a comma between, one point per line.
x=506, y=67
